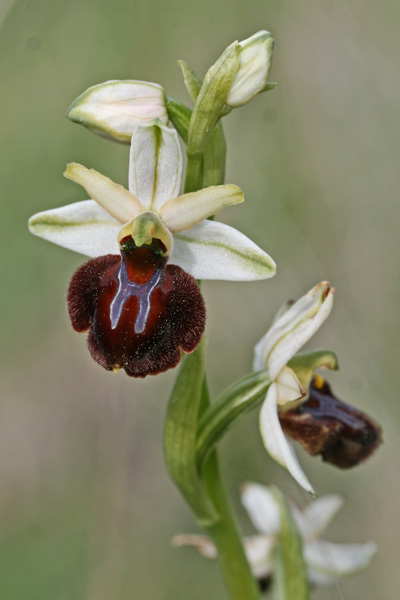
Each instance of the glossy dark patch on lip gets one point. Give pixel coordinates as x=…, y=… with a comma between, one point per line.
x=324, y=425
x=140, y=312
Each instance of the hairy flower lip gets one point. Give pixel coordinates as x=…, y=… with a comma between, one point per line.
x=324, y=425
x=140, y=326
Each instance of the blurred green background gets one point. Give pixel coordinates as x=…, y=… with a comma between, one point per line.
x=87, y=511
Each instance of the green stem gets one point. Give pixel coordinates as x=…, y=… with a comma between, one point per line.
x=238, y=399
x=239, y=580
x=208, y=168
x=215, y=157
x=204, y=486
x=194, y=172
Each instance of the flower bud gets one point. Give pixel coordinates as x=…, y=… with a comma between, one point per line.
x=114, y=108
x=255, y=63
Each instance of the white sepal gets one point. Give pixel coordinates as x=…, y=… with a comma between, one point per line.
x=338, y=560
x=259, y=552
x=275, y=441
x=293, y=329
x=190, y=209
x=155, y=164
x=114, y=198
x=315, y=518
x=288, y=387
x=83, y=227
x=213, y=250
x=115, y=108
x=261, y=507
x=255, y=63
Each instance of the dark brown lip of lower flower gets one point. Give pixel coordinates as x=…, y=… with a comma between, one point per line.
x=326, y=426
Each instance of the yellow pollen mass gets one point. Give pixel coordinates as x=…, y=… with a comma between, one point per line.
x=319, y=382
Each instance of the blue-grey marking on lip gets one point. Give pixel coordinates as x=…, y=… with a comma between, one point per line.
x=126, y=289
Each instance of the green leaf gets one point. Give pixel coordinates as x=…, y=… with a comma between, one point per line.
x=180, y=116
x=180, y=436
x=207, y=110
x=212, y=98
x=215, y=149
x=238, y=399
x=291, y=580
x=192, y=82
x=269, y=86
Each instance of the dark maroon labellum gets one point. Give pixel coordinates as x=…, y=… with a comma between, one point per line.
x=140, y=312
x=343, y=435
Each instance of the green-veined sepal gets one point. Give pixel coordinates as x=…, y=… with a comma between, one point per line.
x=213, y=250
x=305, y=364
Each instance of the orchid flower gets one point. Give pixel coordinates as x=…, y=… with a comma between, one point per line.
x=326, y=562
x=140, y=312
x=302, y=405
x=292, y=328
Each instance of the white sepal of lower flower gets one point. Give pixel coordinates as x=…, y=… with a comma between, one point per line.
x=291, y=329
x=326, y=562
x=152, y=208
x=114, y=108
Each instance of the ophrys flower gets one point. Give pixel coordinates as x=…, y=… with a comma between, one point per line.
x=139, y=310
